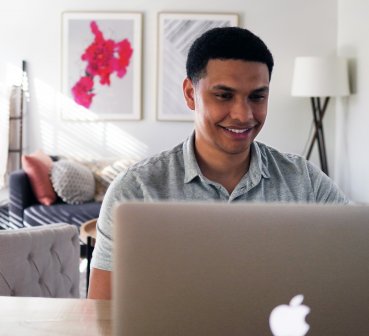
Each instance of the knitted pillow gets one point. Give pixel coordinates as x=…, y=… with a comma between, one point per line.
x=72, y=182
x=96, y=166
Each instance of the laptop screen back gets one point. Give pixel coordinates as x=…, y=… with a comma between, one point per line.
x=221, y=269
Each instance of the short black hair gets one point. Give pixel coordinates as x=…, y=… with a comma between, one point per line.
x=226, y=43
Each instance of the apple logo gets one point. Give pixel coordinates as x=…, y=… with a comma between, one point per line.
x=290, y=320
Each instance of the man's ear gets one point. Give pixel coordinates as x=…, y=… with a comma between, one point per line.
x=189, y=93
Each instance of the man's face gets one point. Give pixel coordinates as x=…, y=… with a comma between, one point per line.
x=230, y=103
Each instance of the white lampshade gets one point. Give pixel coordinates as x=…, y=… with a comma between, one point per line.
x=320, y=77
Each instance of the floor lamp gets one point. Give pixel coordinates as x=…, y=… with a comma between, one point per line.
x=320, y=78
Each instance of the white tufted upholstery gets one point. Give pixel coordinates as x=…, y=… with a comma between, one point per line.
x=40, y=261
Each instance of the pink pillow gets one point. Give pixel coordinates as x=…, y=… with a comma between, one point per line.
x=37, y=167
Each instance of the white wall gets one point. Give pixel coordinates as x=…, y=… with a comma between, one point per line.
x=353, y=115
x=31, y=30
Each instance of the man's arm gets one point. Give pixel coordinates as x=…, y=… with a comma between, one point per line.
x=325, y=189
x=100, y=285
x=101, y=263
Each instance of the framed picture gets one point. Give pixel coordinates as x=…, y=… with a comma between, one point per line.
x=176, y=34
x=101, y=66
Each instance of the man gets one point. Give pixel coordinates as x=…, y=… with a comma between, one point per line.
x=227, y=87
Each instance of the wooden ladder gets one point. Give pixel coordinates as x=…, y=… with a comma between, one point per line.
x=18, y=118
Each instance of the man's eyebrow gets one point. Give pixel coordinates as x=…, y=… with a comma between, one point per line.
x=263, y=89
x=223, y=88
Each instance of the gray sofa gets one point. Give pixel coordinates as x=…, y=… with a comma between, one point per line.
x=25, y=211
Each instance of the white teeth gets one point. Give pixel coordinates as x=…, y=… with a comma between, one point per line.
x=237, y=130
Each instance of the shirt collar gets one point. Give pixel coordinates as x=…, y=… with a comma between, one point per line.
x=257, y=167
x=258, y=163
x=192, y=169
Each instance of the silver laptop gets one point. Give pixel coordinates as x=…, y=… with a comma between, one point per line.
x=240, y=269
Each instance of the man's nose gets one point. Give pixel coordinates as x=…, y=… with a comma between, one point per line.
x=242, y=111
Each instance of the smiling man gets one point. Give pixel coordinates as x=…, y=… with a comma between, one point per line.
x=231, y=106
x=227, y=87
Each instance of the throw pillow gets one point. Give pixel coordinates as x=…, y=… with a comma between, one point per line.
x=96, y=166
x=73, y=182
x=109, y=173
x=104, y=171
x=37, y=167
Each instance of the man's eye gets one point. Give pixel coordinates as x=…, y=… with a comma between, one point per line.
x=224, y=95
x=257, y=97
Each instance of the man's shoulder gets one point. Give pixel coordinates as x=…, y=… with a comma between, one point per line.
x=171, y=158
x=300, y=175
x=269, y=154
x=149, y=174
x=290, y=165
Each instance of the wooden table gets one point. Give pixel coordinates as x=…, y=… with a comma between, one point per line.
x=44, y=316
x=88, y=229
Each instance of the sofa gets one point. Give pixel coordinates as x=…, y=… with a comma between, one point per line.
x=25, y=210
x=50, y=189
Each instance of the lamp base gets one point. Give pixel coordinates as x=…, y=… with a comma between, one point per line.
x=318, y=114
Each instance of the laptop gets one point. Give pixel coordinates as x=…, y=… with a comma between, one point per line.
x=240, y=269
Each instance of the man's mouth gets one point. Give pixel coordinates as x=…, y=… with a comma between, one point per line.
x=237, y=130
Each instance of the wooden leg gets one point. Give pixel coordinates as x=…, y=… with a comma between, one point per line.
x=89, y=256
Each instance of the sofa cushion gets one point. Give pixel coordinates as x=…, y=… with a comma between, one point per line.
x=37, y=167
x=61, y=213
x=73, y=182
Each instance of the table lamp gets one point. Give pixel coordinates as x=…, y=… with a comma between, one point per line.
x=320, y=77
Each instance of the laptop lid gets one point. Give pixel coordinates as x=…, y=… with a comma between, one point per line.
x=240, y=269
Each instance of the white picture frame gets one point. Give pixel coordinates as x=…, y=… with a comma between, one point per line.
x=101, y=66
x=176, y=32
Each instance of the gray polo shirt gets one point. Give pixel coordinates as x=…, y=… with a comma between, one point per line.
x=175, y=175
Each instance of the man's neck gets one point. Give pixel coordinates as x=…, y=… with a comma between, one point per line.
x=226, y=169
